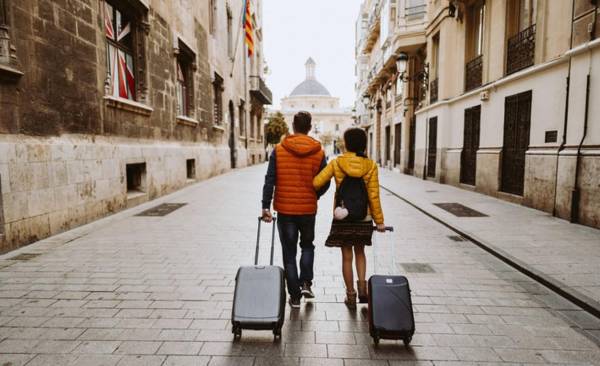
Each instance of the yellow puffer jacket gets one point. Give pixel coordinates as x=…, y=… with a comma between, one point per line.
x=354, y=166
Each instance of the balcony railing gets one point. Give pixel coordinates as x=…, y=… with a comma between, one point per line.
x=433, y=91
x=418, y=11
x=260, y=91
x=473, y=73
x=521, y=50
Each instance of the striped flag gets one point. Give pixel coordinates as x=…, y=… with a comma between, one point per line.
x=248, y=28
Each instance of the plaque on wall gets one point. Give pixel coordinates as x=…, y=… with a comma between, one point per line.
x=551, y=136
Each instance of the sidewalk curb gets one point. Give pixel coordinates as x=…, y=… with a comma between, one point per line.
x=586, y=303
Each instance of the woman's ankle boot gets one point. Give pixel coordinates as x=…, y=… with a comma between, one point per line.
x=362, y=292
x=350, y=300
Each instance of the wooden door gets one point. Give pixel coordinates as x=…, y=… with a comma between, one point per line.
x=397, y=143
x=517, y=124
x=468, y=158
x=432, y=147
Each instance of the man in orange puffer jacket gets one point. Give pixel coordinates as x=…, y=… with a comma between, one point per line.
x=292, y=166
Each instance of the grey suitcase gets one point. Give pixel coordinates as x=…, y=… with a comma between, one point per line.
x=259, y=297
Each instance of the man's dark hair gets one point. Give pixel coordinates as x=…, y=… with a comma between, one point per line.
x=355, y=140
x=302, y=121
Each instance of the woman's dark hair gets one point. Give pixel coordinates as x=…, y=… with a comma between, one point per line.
x=355, y=140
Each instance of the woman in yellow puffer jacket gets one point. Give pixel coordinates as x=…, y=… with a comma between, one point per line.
x=352, y=236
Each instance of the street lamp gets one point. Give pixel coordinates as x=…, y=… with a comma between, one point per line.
x=401, y=62
x=402, y=65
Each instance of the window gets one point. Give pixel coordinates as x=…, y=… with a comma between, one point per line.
x=521, y=15
x=136, y=177
x=475, y=29
x=337, y=127
x=4, y=36
x=435, y=56
x=119, y=29
x=185, y=80
x=242, y=114
x=474, y=45
x=190, y=165
x=229, y=33
x=521, y=33
x=212, y=17
x=218, y=99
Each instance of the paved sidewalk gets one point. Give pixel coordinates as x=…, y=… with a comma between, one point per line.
x=567, y=255
x=132, y=290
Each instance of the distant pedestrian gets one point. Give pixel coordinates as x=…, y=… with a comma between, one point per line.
x=357, y=205
x=292, y=166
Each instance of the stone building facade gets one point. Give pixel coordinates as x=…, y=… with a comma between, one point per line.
x=105, y=104
x=329, y=119
x=386, y=99
x=509, y=106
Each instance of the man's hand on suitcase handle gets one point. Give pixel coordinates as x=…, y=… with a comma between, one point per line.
x=266, y=216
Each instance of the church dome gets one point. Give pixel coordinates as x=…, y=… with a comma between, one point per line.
x=310, y=86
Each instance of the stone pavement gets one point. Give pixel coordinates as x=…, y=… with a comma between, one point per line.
x=564, y=254
x=133, y=290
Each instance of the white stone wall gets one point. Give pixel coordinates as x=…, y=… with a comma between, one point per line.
x=52, y=184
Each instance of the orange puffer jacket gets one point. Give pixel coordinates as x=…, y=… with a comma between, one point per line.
x=298, y=161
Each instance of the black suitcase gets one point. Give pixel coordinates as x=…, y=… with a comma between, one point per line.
x=259, y=297
x=390, y=308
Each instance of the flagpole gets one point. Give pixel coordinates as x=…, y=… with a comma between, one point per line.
x=237, y=42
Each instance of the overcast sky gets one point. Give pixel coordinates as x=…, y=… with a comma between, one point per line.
x=322, y=29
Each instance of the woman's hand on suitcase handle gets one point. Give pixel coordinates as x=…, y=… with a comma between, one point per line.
x=382, y=228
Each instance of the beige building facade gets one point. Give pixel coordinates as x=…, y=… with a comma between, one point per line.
x=105, y=104
x=510, y=105
x=386, y=97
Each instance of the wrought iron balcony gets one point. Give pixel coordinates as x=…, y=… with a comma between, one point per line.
x=260, y=91
x=433, y=91
x=521, y=50
x=473, y=73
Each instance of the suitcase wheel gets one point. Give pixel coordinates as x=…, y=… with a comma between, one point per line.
x=277, y=332
x=237, y=333
x=376, y=339
x=407, y=340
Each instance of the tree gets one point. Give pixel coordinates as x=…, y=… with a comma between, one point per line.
x=275, y=128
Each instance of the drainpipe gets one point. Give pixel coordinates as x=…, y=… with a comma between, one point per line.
x=566, y=121
x=576, y=193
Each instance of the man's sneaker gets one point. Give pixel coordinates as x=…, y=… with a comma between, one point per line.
x=307, y=291
x=295, y=303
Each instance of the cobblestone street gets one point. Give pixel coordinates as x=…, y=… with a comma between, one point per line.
x=139, y=290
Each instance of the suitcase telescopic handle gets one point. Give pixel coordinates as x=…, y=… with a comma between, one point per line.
x=387, y=228
x=258, y=241
x=390, y=229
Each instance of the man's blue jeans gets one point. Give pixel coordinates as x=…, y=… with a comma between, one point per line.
x=290, y=228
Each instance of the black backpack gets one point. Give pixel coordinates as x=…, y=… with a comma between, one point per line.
x=353, y=193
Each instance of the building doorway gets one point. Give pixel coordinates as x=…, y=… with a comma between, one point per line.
x=388, y=143
x=468, y=157
x=232, y=151
x=432, y=147
x=397, y=143
x=411, y=144
x=517, y=124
